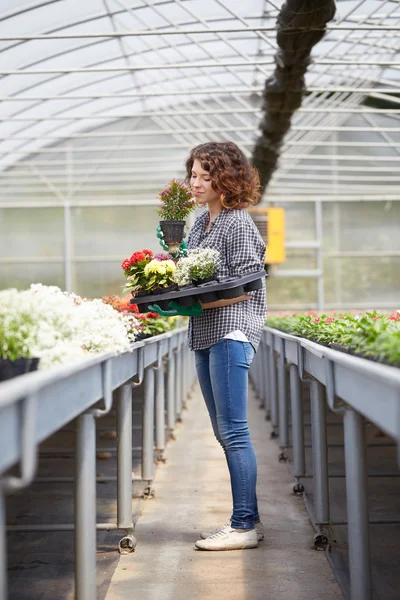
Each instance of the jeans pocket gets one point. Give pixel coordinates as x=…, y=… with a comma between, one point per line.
x=248, y=353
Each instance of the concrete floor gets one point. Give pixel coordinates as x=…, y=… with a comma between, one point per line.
x=193, y=493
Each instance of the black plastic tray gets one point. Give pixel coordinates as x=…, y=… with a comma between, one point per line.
x=221, y=289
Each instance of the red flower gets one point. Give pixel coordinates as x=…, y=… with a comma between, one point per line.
x=142, y=316
x=148, y=252
x=137, y=257
x=330, y=320
x=128, y=308
x=395, y=317
x=153, y=315
x=126, y=264
x=316, y=320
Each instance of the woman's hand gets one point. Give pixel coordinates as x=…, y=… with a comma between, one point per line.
x=222, y=303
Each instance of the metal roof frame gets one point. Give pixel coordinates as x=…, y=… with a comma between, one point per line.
x=218, y=96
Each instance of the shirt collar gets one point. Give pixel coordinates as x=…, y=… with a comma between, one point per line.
x=205, y=217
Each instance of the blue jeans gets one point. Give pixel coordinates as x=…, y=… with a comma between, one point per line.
x=222, y=370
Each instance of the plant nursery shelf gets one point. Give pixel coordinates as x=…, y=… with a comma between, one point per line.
x=211, y=291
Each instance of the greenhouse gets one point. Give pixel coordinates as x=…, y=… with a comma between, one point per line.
x=107, y=456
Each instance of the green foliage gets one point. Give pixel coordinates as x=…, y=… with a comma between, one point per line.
x=17, y=332
x=371, y=334
x=153, y=324
x=177, y=201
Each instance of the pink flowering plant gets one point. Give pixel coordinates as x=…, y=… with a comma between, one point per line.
x=371, y=334
x=176, y=201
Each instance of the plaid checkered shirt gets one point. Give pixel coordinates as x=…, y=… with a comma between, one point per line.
x=242, y=250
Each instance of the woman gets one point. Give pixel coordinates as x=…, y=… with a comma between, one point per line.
x=226, y=335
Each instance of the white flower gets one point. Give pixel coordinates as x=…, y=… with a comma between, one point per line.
x=198, y=264
x=181, y=274
x=59, y=327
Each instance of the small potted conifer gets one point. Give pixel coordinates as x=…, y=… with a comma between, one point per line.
x=176, y=204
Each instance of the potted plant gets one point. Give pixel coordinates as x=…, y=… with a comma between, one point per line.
x=176, y=204
x=158, y=275
x=18, y=336
x=133, y=268
x=198, y=267
x=153, y=324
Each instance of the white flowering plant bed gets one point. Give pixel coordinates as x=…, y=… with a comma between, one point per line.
x=57, y=327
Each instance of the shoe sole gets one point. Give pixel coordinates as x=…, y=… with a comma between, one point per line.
x=247, y=546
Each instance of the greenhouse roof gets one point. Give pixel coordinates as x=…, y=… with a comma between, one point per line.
x=95, y=93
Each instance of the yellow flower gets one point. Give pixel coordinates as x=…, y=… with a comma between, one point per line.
x=151, y=267
x=170, y=266
x=162, y=268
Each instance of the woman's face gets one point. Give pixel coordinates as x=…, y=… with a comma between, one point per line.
x=200, y=182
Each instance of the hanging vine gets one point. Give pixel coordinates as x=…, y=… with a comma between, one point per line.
x=301, y=25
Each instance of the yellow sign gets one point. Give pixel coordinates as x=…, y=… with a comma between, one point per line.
x=271, y=225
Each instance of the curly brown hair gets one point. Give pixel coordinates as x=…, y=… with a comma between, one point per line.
x=231, y=173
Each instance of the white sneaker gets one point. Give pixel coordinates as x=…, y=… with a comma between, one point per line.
x=259, y=527
x=229, y=539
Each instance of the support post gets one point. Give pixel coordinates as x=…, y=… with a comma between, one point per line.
x=357, y=506
x=299, y=459
x=272, y=379
x=67, y=219
x=261, y=375
x=124, y=457
x=257, y=375
x=265, y=375
x=283, y=398
x=319, y=452
x=160, y=408
x=184, y=377
x=320, y=257
x=178, y=380
x=183, y=391
x=148, y=425
x=3, y=547
x=171, y=412
x=85, y=508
